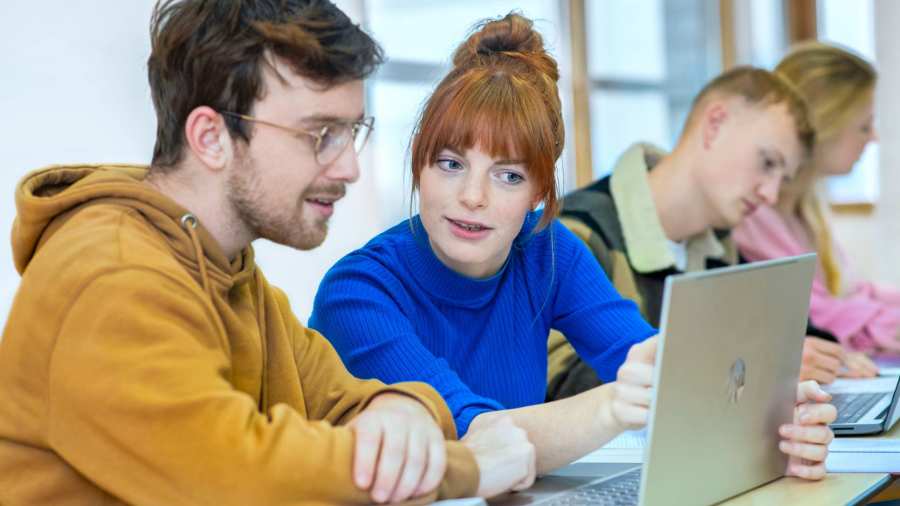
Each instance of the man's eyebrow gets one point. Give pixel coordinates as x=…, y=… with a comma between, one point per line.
x=321, y=119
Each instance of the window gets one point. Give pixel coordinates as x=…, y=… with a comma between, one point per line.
x=643, y=77
x=851, y=24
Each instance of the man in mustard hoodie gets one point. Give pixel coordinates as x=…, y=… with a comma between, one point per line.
x=146, y=359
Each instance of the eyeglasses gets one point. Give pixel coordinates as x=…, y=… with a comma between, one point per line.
x=331, y=140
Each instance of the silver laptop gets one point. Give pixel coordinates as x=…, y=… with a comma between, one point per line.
x=865, y=406
x=726, y=379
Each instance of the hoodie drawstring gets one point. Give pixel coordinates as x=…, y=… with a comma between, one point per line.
x=189, y=222
x=260, y=317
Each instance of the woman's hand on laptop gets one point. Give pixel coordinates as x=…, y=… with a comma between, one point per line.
x=858, y=365
x=806, y=440
x=633, y=388
x=822, y=360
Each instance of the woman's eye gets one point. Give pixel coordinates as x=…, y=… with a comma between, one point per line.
x=511, y=177
x=449, y=164
x=768, y=164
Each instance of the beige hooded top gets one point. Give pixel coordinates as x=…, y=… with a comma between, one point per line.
x=132, y=373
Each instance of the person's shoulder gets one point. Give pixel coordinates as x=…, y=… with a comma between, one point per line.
x=380, y=258
x=596, y=188
x=554, y=241
x=591, y=209
x=104, y=238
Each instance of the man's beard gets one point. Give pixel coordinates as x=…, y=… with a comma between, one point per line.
x=264, y=219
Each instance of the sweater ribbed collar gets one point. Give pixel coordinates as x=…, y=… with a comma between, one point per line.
x=449, y=286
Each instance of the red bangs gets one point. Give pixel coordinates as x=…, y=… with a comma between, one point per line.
x=503, y=114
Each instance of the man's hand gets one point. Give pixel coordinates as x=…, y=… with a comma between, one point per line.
x=399, y=451
x=858, y=365
x=506, y=459
x=806, y=440
x=633, y=388
x=822, y=360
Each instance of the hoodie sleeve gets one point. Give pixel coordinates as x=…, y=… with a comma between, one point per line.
x=337, y=397
x=140, y=403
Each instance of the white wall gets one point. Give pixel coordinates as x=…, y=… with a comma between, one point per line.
x=73, y=88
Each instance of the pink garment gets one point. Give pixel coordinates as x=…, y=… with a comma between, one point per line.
x=866, y=317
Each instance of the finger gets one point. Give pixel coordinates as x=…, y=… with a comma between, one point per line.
x=812, y=373
x=805, y=471
x=815, y=453
x=365, y=453
x=633, y=394
x=810, y=391
x=636, y=373
x=437, y=464
x=630, y=415
x=413, y=466
x=816, y=344
x=825, y=362
x=815, y=434
x=860, y=363
x=390, y=462
x=643, y=352
x=851, y=372
x=530, y=472
x=816, y=414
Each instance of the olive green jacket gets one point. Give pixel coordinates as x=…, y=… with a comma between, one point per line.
x=617, y=219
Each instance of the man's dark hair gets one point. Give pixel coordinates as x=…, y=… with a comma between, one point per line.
x=211, y=52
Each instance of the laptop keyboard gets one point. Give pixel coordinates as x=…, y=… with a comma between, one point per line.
x=620, y=491
x=852, y=407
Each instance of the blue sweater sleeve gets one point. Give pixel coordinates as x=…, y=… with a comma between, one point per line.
x=362, y=309
x=597, y=321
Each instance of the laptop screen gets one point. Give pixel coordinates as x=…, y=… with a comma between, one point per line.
x=893, y=413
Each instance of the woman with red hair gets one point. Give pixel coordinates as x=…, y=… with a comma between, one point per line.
x=463, y=295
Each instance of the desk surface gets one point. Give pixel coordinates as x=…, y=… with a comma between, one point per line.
x=845, y=488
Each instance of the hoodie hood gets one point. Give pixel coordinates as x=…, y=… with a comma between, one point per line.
x=47, y=197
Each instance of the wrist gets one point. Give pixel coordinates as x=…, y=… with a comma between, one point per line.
x=396, y=400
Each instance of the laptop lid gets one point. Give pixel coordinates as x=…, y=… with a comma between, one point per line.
x=726, y=378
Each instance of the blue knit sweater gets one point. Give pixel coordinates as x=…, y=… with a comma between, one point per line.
x=394, y=312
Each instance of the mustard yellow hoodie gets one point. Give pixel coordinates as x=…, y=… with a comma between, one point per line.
x=140, y=366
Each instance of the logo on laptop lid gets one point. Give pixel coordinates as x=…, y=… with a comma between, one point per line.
x=736, y=380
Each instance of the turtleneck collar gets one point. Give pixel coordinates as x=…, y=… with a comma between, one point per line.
x=449, y=286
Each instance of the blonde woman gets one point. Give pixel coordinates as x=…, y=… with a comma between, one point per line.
x=839, y=87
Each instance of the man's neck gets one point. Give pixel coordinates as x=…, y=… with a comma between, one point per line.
x=208, y=202
x=680, y=208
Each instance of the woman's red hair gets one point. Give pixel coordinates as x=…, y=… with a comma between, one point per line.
x=501, y=95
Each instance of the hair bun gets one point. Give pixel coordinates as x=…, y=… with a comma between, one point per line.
x=512, y=35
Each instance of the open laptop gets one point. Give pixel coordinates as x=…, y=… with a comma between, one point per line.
x=726, y=378
x=865, y=406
